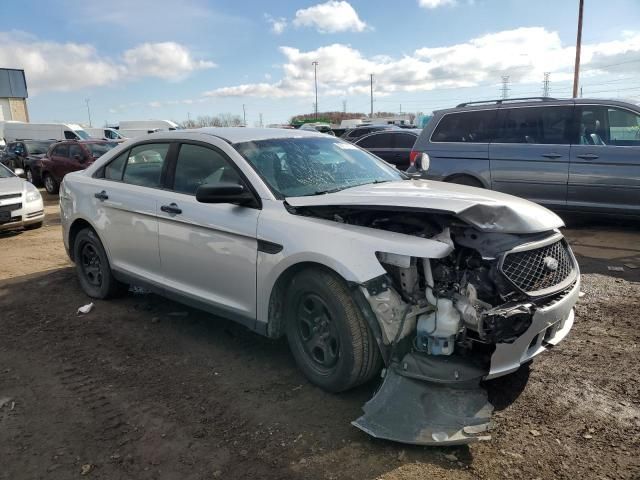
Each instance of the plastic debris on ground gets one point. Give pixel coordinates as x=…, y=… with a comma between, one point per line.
x=85, y=309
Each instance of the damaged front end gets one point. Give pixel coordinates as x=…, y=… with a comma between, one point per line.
x=490, y=304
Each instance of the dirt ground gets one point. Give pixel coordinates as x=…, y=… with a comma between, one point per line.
x=145, y=388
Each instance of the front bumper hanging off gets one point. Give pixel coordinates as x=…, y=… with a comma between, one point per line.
x=429, y=401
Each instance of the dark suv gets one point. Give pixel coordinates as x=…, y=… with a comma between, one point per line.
x=577, y=154
x=66, y=157
x=18, y=154
x=360, y=131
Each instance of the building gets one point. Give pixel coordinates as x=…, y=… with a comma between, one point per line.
x=13, y=95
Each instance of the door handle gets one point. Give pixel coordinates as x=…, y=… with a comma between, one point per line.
x=102, y=196
x=171, y=208
x=588, y=156
x=551, y=155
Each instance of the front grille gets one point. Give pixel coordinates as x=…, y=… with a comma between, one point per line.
x=10, y=208
x=541, y=270
x=11, y=195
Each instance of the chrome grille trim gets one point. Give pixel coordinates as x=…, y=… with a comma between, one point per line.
x=524, y=266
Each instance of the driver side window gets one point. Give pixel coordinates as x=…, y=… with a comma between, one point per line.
x=197, y=165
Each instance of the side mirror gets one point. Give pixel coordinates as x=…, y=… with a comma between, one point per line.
x=224, y=192
x=19, y=172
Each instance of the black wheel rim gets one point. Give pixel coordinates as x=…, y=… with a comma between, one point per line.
x=317, y=332
x=91, y=264
x=48, y=183
x=29, y=176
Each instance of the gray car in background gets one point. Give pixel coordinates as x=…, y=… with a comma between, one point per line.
x=577, y=154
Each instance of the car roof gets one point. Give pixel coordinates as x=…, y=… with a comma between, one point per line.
x=239, y=134
x=497, y=104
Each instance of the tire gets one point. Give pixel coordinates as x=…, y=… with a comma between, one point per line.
x=33, y=226
x=50, y=184
x=466, y=180
x=92, y=267
x=31, y=178
x=327, y=333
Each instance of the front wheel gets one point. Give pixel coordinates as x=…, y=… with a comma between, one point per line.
x=327, y=333
x=92, y=267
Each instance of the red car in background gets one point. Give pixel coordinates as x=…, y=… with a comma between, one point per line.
x=65, y=157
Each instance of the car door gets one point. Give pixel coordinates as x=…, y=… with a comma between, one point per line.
x=208, y=251
x=59, y=161
x=604, y=175
x=124, y=197
x=380, y=144
x=529, y=156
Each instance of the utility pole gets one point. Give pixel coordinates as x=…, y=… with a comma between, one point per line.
x=545, y=84
x=580, y=91
x=315, y=81
x=400, y=109
x=504, y=91
x=86, y=100
x=371, y=75
x=344, y=106
x=576, y=70
x=244, y=115
x=261, y=125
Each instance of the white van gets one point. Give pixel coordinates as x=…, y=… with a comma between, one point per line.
x=13, y=131
x=105, y=133
x=147, y=125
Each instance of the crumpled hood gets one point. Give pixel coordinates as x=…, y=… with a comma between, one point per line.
x=485, y=209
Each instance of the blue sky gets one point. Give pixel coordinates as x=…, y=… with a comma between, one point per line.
x=170, y=59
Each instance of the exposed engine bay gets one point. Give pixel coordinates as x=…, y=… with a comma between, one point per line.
x=442, y=319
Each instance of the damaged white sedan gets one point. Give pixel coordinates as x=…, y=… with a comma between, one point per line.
x=439, y=286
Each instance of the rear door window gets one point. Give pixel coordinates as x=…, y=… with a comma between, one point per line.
x=379, y=140
x=404, y=140
x=61, y=151
x=536, y=125
x=75, y=150
x=473, y=127
x=144, y=165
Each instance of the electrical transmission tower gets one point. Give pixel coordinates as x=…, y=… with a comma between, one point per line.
x=344, y=106
x=546, y=84
x=504, y=90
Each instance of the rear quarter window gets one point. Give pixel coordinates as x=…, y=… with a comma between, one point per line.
x=465, y=127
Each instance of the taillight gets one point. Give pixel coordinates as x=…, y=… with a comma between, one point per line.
x=412, y=157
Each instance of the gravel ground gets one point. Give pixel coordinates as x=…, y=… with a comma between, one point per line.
x=142, y=387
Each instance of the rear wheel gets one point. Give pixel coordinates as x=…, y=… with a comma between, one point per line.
x=327, y=333
x=92, y=267
x=50, y=184
x=466, y=180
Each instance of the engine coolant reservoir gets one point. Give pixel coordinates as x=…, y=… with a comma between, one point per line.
x=436, y=331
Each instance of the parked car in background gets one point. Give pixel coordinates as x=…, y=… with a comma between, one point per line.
x=317, y=127
x=307, y=236
x=19, y=154
x=105, y=133
x=579, y=154
x=393, y=146
x=353, y=134
x=14, y=131
x=63, y=158
x=21, y=204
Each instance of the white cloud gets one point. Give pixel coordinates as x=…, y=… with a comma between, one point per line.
x=277, y=24
x=435, y=3
x=69, y=66
x=523, y=53
x=168, y=60
x=330, y=17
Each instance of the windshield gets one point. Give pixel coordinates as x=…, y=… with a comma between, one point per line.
x=5, y=172
x=99, y=149
x=36, y=148
x=294, y=167
x=82, y=134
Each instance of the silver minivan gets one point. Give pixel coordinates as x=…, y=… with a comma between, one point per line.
x=577, y=154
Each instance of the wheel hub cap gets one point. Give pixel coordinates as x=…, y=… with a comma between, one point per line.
x=317, y=331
